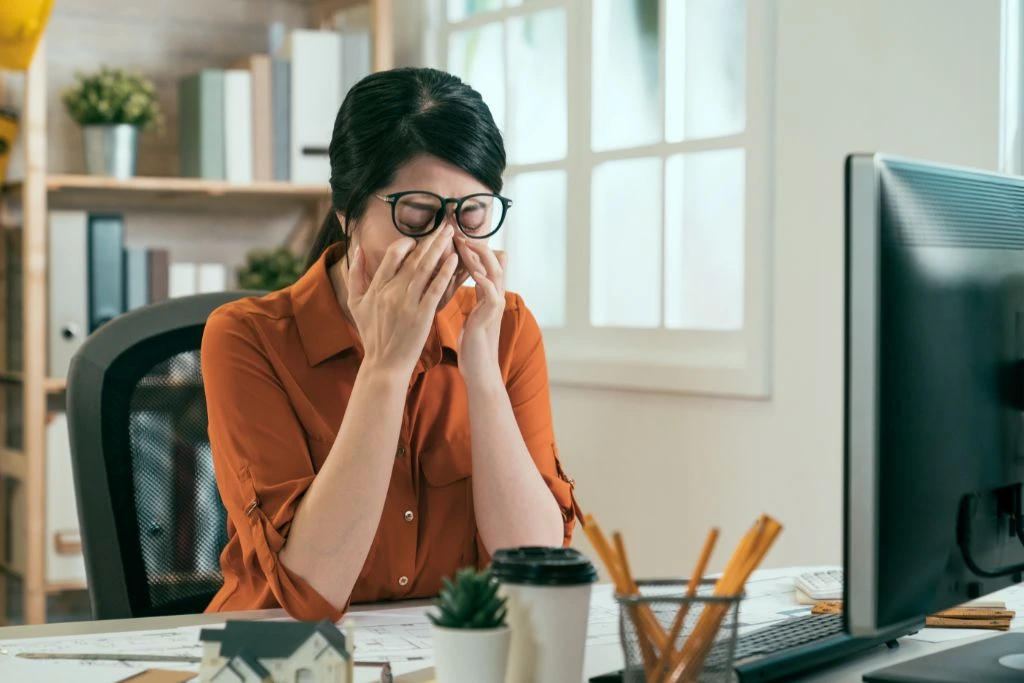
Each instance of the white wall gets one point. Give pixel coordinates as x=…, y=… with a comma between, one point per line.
x=914, y=77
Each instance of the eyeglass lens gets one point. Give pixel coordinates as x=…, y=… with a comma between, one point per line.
x=418, y=214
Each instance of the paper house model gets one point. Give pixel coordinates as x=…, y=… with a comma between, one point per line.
x=275, y=652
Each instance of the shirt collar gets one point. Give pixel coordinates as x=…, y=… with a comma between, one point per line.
x=325, y=332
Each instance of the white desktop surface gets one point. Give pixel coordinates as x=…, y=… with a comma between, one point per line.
x=603, y=654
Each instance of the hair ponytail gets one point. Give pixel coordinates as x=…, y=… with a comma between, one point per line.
x=330, y=232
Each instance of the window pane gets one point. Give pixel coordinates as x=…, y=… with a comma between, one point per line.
x=534, y=237
x=704, y=227
x=705, y=61
x=461, y=9
x=625, y=104
x=625, y=244
x=538, y=87
x=477, y=56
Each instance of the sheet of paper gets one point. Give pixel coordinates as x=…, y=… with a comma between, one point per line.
x=603, y=625
x=32, y=671
x=183, y=641
x=400, y=636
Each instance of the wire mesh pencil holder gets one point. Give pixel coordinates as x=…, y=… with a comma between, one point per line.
x=715, y=617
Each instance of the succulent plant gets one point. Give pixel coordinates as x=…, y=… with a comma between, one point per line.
x=470, y=602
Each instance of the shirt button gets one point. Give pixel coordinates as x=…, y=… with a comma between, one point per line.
x=403, y=581
x=401, y=452
x=409, y=516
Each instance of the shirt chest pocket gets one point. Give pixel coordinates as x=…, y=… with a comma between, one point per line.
x=446, y=496
x=447, y=463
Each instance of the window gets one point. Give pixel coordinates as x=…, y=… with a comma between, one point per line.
x=637, y=136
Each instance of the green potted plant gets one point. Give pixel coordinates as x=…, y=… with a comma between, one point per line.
x=469, y=633
x=112, y=106
x=269, y=269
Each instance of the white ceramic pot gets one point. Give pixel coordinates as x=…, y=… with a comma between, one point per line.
x=465, y=655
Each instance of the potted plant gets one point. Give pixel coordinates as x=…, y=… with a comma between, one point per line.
x=112, y=106
x=268, y=270
x=470, y=636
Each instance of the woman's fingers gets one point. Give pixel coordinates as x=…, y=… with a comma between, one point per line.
x=357, y=281
x=425, y=244
x=470, y=259
x=487, y=293
x=428, y=257
x=438, y=286
x=483, y=259
x=503, y=262
x=492, y=265
x=393, y=258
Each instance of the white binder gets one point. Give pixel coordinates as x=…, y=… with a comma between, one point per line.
x=238, y=140
x=68, y=270
x=316, y=83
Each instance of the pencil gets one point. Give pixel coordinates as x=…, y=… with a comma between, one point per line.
x=647, y=622
x=111, y=657
x=142, y=657
x=650, y=661
x=691, y=591
x=745, y=560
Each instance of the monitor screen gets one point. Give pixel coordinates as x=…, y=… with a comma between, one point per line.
x=934, y=431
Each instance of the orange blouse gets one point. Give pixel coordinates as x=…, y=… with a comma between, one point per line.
x=278, y=372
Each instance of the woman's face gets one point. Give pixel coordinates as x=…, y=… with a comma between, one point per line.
x=376, y=230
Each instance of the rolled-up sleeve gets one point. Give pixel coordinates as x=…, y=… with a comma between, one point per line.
x=262, y=463
x=530, y=395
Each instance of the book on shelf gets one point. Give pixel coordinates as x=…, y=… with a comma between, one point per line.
x=271, y=116
x=93, y=276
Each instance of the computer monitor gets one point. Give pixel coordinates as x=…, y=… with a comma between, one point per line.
x=934, y=414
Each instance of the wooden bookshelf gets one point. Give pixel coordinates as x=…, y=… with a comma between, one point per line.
x=13, y=464
x=41, y=190
x=47, y=587
x=172, y=194
x=52, y=385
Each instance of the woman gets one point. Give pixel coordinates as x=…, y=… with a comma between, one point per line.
x=376, y=426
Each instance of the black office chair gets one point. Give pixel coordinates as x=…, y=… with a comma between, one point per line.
x=151, y=518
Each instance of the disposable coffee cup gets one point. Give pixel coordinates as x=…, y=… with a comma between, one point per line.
x=548, y=592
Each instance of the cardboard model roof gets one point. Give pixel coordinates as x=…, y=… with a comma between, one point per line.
x=271, y=639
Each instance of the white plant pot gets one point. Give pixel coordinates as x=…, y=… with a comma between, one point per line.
x=470, y=655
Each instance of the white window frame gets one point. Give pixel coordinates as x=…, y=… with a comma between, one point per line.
x=728, y=363
x=1011, y=95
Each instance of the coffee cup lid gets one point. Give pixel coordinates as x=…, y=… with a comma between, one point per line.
x=540, y=566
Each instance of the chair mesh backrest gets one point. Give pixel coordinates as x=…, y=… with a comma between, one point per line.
x=179, y=514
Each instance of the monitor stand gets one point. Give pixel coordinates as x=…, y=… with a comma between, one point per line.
x=993, y=660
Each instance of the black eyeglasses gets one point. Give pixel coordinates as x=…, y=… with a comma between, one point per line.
x=418, y=213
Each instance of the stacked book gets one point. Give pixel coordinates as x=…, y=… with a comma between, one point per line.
x=270, y=117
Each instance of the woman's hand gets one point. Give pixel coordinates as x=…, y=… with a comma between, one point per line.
x=393, y=310
x=478, y=347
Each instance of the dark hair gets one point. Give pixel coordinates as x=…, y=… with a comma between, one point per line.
x=390, y=117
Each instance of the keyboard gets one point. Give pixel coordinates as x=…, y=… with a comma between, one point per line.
x=789, y=633
x=789, y=648
x=795, y=646
x=822, y=585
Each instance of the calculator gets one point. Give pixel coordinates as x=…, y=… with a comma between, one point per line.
x=825, y=584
